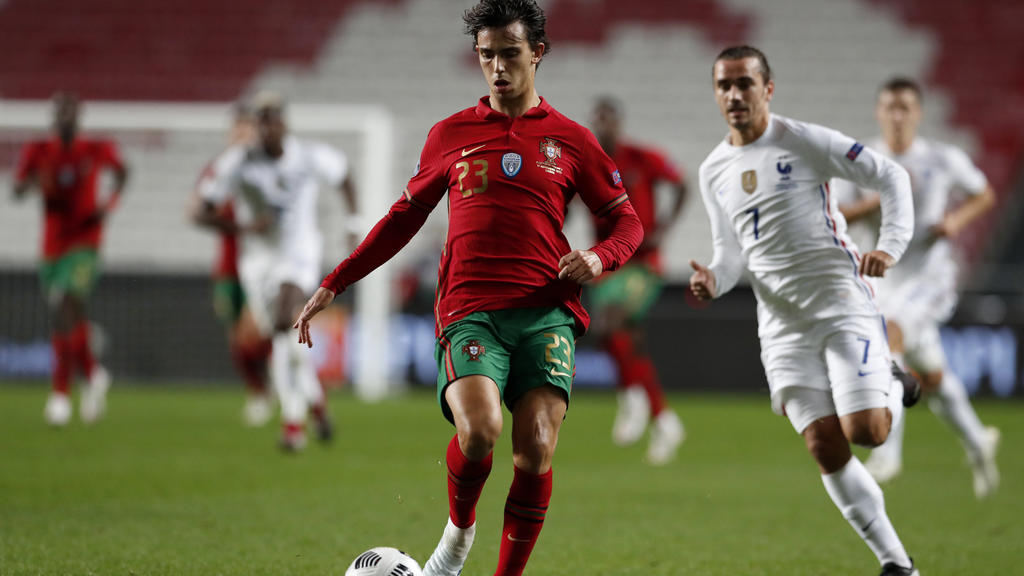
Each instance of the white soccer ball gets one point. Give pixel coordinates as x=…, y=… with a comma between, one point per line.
x=384, y=561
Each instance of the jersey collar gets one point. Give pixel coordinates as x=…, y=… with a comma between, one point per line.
x=484, y=110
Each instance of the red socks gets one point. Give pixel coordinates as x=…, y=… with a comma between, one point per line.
x=465, y=482
x=251, y=360
x=636, y=368
x=525, y=509
x=80, y=350
x=61, y=343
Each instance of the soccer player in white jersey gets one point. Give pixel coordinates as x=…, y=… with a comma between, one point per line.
x=920, y=294
x=276, y=182
x=823, y=347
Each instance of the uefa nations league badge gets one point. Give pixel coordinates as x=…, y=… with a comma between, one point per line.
x=511, y=163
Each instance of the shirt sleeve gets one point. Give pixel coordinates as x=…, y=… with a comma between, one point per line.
x=599, y=185
x=400, y=224
x=330, y=164
x=966, y=176
x=110, y=155
x=28, y=162
x=727, y=261
x=220, y=179
x=840, y=156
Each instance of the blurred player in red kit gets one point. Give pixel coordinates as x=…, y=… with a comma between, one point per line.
x=623, y=299
x=250, y=349
x=508, y=298
x=65, y=170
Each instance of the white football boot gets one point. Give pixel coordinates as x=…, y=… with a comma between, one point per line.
x=450, y=555
x=666, y=436
x=983, y=465
x=58, y=409
x=258, y=410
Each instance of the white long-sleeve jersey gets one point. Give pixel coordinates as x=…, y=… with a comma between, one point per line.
x=772, y=212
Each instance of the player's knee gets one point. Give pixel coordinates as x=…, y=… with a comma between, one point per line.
x=478, y=434
x=870, y=433
x=931, y=381
x=534, y=446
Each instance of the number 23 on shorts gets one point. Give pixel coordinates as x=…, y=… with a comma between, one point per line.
x=558, y=344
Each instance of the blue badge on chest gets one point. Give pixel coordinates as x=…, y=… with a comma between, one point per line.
x=511, y=163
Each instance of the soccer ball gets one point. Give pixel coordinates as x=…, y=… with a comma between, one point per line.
x=384, y=561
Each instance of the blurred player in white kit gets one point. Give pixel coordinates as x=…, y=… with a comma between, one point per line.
x=920, y=294
x=275, y=184
x=823, y=343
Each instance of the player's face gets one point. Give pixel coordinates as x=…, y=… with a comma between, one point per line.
x=272, y=130
x=508, y=61
x=606, y=123
x=898, y=113
x=742, y=93
x=65, y=117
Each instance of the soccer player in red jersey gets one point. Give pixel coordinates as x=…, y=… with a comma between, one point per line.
x=65, y=169
x=508, y=309
x=250, y=349
x=623, y=299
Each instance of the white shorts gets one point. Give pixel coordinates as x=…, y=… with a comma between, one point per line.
x=262, y=274
x=842, y=365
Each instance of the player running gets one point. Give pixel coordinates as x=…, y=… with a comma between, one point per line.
x=250, y=348
x=508, y=309
x=623, y=299
x=822, y=338
x=920, y=294
x=65, y=169
x=274, y=185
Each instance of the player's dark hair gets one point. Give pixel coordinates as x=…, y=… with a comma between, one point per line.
x=608, y=103
x=899, y=83
x=501, y=13
x=745, y=51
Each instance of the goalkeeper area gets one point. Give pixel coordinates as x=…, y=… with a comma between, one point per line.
x=171, y=483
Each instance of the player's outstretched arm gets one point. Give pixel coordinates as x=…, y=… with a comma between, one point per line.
x=972, y=208
x=702, y=282
x=320, y=299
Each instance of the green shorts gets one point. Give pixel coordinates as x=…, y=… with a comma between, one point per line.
x=228, y=299
x=634, y=288
x=75, y=272
x=519, y=349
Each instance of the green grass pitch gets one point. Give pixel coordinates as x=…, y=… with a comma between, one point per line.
x=170, y=483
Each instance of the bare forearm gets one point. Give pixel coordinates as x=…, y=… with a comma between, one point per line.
x=973, y=208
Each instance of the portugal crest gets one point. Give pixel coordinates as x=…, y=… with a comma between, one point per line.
x=511, y=163
x=551, y=149
x=749, y=179
x=474, y=349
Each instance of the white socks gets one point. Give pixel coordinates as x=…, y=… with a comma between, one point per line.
x=450, y=555
x=951, y=404
x=294, y=378
x=859, y=498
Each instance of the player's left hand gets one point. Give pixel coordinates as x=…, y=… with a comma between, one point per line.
x=320, y=299
x=944, y=229
x=875, y=263
x=580, y=266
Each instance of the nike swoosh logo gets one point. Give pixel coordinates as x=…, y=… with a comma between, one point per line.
x=862, y=373
x=518, y=539
x=471, y=150
x=557, y=373
x=865, y=528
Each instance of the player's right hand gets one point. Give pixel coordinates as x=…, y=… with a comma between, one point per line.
x=702, y=282
x=875, y=263
x=320, y=299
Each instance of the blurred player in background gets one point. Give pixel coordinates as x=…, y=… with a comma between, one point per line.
x=250, y=348
x=65, y=169
x=274, y=186
x=508, y=297
x=920, y=294
x=822, y=338
x=623, y=299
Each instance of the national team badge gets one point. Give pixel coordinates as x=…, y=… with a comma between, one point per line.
x=511, y=163
x=551, y=149
x=474, y=349
x=616, y=178
x=749, y=179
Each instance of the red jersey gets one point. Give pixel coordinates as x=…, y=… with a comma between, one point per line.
x=509, y=183
x=642, y=169
x=67, y=177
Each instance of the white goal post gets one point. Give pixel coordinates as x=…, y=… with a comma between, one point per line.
x=194, y=132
